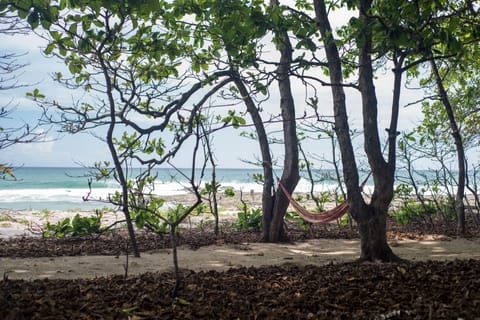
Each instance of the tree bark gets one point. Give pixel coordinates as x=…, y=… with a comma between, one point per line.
x=268, y=184
x=373, y=242
x=290, y=175
x=342, y=129
x=117, y=163
x=371, y=218
x=459, y=204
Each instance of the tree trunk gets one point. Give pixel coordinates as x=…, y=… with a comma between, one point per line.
x=275, y=204
x=371, y=218
x=342, y=129
x=117, y=163
x=373, y=243
x=459, y=204
x=268, y=188
x=290, y=175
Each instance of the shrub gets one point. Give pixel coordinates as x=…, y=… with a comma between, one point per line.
x=409, y=210
x=78, y=226
x=249, y=219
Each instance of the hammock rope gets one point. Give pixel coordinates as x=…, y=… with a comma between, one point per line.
x=319, y=217
x=312, y=217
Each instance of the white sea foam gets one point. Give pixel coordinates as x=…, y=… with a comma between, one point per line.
x=71, y=198
x=76, y=195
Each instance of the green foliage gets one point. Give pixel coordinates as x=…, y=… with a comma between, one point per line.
x=229, y=192
x=210, y=188
x=235, y=120
x=35, y=94
x=249, y=219
x=345, y=220
x=302, y=223
x=321, y=199
x=149, y=214
x=76, y=227
x=409, y=210
x=153, y=221
x=258, y=178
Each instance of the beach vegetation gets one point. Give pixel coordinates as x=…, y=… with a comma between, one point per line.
x=411, y=210
x=302, y=223
x=154, y=74
x=209, y=192
x=7, y=218
x=78, y=226
x=45, y=213
x=437, y=185
x=249, y=219
x=229, y=192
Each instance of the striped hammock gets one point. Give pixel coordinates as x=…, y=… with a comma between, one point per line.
x=322, y=217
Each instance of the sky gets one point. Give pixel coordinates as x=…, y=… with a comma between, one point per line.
x=71, y=150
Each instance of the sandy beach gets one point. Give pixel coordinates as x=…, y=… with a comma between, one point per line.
x=224, y=257
x=215, y=257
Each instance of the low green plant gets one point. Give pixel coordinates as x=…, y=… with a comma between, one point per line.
x=249, y=219
x=157, y=220
x=345, y=220
x=409, y=210
x=46, y=213
x=299, y=198
x=78, y=226
x=7, y=218
x=229, y=192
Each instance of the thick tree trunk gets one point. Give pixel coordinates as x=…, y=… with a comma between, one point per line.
x=373, y=243
x=275, y=204
x=370, y=218
x=290, y=176
x=342, y=129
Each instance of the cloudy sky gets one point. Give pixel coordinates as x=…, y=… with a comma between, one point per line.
x=69, y=150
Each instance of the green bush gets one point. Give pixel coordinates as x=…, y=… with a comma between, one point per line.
x=159, y=220
x=249, y=220
x=78, y=226
x=411, y=210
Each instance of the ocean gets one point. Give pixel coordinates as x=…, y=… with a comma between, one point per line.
x=64, y=188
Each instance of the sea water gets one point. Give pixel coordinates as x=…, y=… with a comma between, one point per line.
x=65, y=188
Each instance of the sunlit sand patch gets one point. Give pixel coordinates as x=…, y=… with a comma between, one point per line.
x=20, y=271
x=338, y=253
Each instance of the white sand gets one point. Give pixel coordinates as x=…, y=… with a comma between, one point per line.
x=216, y=257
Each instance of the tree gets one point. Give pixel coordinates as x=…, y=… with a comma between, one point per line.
x=370, y=217
x=127, y=66
x=399, y=31
x=449, y=35
x=290, y=175
x=236, y=41
x=9, y=67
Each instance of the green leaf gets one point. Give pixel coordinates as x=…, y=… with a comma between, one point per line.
x=33, y=19
x=49, y=49
x=181, y=301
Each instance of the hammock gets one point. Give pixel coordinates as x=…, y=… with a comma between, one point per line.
x=322, y=217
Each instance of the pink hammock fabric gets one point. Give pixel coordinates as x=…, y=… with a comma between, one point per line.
x=323, y=217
